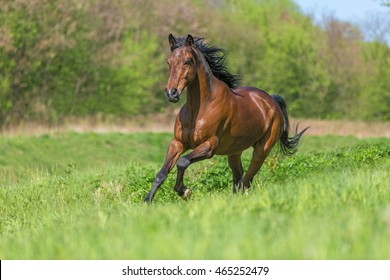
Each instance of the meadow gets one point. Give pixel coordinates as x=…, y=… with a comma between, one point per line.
x=79, y=196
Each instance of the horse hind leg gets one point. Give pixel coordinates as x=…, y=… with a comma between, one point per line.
x=260, y=151
x=235, y=165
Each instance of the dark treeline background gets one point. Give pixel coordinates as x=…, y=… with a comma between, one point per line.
x=61, y=58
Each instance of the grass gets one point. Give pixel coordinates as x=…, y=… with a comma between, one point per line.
x=74, y=196
x=22, y=155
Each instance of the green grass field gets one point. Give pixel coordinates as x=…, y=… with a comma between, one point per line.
x=79, y=196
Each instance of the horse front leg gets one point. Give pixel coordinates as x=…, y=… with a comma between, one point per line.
x=174, y=151
x=203, y=151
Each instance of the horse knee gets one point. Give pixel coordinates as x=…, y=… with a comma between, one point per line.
x=183, y=163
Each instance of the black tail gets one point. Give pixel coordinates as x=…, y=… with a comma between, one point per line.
x=288, y=145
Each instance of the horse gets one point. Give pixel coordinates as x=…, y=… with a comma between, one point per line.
x=219, y=117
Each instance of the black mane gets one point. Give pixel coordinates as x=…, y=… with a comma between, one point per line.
x=216, y=59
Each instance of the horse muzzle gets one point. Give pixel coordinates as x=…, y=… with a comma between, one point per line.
x=172, y=95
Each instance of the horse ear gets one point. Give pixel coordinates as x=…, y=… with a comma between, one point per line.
x=172, y=40
x=190, y=40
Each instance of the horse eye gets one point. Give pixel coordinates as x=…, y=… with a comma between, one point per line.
x=187, y=62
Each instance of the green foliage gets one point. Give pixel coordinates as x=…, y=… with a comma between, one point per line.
x=279, y=57
x=94, y=61
x=126, y=86
x=64, y=58
x=375, y=100
x=329, y=204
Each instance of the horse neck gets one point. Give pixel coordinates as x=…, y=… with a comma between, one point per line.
x=201, y=89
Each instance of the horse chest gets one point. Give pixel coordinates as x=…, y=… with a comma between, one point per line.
x=193, y=137
x=196, y=132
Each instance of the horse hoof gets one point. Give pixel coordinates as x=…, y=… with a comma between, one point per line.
x=238, y=188
x=187, y=194
x=147, y=201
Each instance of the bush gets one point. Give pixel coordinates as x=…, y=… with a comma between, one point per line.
x=86, y=58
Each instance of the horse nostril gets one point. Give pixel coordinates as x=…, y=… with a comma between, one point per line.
x=174, y=93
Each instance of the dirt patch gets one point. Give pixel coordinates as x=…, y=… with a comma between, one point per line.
x=165, y=122
x=339, y=127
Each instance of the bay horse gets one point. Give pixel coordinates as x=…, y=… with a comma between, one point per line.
x=219, y=118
